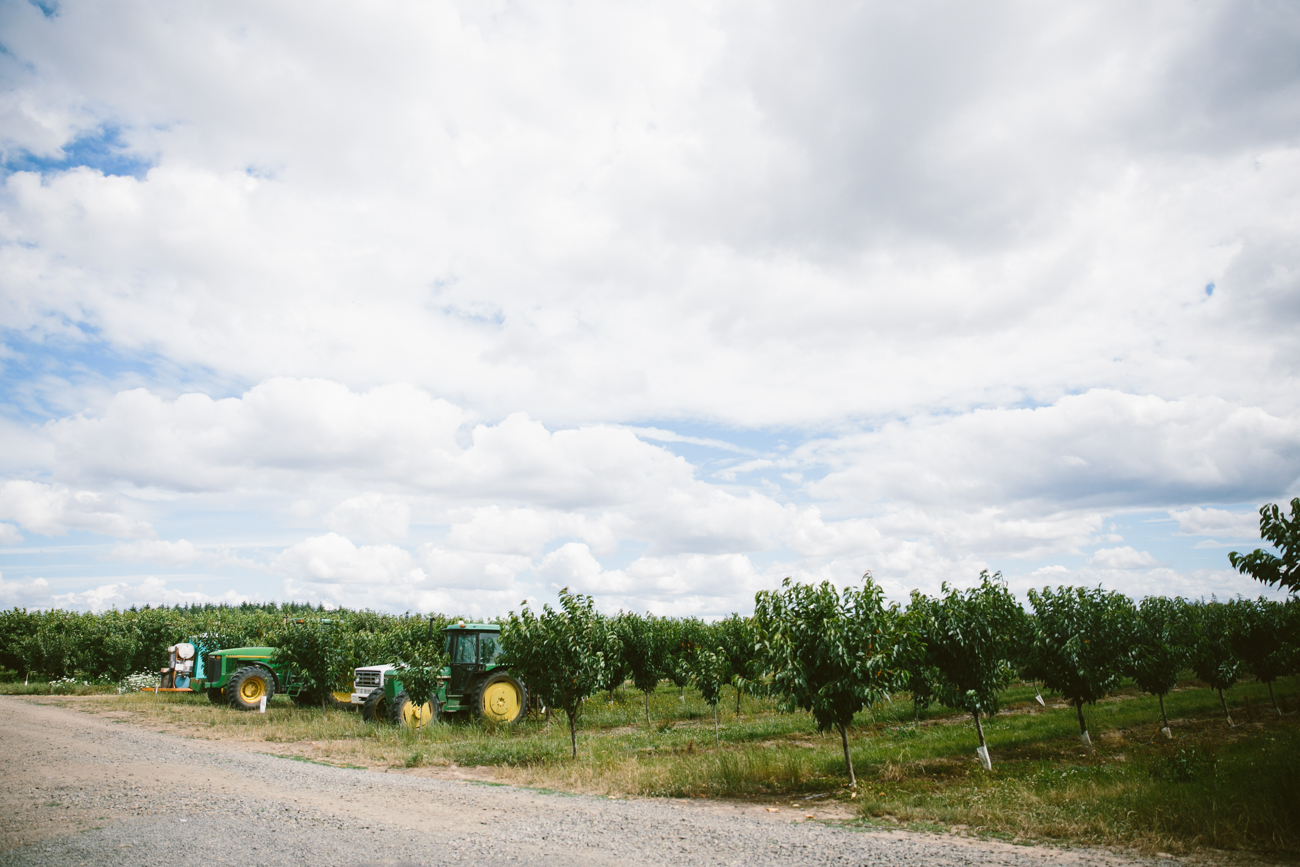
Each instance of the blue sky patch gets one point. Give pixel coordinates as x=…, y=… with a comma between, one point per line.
x=101, y=149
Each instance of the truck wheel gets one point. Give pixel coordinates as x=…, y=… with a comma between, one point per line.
x=406, y=712
x=500, y=698
x=375, y=708
x=248, y=686
x=216, y=696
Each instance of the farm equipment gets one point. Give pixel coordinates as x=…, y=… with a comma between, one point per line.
x=238, y=676
x=241, y=676
x=180, y=668
x=473, y=683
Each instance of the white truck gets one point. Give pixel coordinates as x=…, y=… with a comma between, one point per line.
x=368, y=691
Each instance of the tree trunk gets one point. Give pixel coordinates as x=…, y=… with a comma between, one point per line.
x=573, y=731
x=716, y=742
x=683, y=694
x=1083, y=726
x=647, y=708
x=1272, y=699
x=983, y=752
x=1224, y=702
x=738, y=699
x=848, y=759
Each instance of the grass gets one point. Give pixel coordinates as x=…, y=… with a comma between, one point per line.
x=1210, y=786
x=57, y=689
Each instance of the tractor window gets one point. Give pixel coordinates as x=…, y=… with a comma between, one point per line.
x=489, y=648
x=464, y=649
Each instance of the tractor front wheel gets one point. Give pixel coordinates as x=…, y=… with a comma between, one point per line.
x=216, y=696
x=375, y=708
x=500, y=698
x=405, y=712
x=248, y=686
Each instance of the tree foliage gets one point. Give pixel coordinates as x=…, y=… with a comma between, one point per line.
x=313, y=648
x=829, y=654
x=1259, y=639
x=645, y=645
x=560, y=653
x=1283, y=533
x=972, y=640
x=1160, y=647
x=1080, y=641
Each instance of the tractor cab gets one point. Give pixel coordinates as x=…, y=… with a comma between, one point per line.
x=474, y=679
x=471, y=648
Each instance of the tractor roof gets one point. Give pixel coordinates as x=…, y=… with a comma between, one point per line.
x=476, y=627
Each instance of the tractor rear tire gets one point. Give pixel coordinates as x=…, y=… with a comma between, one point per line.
x=406, y=712
x=248, y=686
x=500, y=698
x=216, y=696
x=375, y=708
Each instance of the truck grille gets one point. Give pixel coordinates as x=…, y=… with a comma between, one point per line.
x=369, y=678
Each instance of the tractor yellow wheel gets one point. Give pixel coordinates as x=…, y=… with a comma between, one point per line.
x=408, y=713
x=252, y=689
x=248, y=686
x=500, y=698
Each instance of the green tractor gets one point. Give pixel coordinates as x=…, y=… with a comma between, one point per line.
x=242, y=676
x=473, y=683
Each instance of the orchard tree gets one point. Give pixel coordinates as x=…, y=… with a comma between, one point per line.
x=616, y=667
x=312, y=647
x=710, y=669
x=972, y=640
x=1259, y=640
x=1160, y=648
x=685, y=636
x=560, y=654
x=1080, y=640
x=1213, y=658
x=735, y=638
x=421, y=651
x=920, y=674
x=831, y=655
x=645, y=644
x=1284, y=534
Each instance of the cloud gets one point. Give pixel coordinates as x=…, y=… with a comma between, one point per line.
x=1122, y=558
x=940, y=293
x=1204, y=521
x=55, y=510
x=150, y=591
x=371, y=517
x=333, y=570
x=178, y=553
x=1101, y=446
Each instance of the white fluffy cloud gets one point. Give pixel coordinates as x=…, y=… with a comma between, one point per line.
x=1202, y=521
x=54, y=510
x=406, y=300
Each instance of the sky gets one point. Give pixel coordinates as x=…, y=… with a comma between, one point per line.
x=446, y=306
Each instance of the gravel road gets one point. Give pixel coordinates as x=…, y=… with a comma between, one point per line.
x=82, y=789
